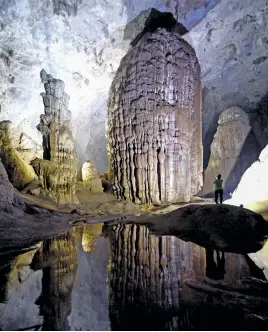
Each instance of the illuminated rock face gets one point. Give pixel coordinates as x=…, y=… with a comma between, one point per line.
x=57, y=171
x=154, y=122
x=19, y=172
x=226, y=156
x=90, y=177
x=253, y=186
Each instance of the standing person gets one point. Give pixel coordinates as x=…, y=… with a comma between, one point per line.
x=218, y=188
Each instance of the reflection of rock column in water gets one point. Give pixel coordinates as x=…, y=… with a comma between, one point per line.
x=146, y=275
x=58, y=259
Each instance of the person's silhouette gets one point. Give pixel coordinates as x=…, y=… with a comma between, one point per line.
x=218, y=188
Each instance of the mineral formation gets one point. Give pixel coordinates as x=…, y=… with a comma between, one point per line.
x=154, y=121
x=57, y=171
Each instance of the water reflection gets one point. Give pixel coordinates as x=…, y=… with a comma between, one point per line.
x=123, y=278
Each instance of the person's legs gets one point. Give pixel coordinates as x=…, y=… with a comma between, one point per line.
x=221, y=195
x=216, y=196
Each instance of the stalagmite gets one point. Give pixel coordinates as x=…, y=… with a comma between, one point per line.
x=57, y=171
x=226, y=156
x=154, y=121
x=90, y=177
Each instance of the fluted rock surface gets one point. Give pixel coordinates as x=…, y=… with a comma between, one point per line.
x=57, y=171
x=154, y=121
x=90, y=177
x=226, y=157
x=19, y=172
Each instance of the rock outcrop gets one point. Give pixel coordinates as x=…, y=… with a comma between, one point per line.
x=154, y=121
x=226, y=157
x=217, y=226
x=90, y=177
x=57, y=172
x=19, y=172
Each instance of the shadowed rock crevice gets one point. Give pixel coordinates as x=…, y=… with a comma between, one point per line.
x=63, y=7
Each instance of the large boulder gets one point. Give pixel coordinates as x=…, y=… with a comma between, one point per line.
x=90, y=177
x=224, y=227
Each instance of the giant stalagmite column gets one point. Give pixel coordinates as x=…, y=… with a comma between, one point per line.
x=154, y=121
x=57, y=171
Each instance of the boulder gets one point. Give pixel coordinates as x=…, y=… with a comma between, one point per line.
x=90, y=177
x=220, y=226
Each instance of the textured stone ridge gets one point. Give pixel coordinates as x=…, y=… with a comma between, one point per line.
x=58, y=171
x=154, y=122
x=228, y=142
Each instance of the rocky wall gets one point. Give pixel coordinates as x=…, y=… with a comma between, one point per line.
x=154, y=121
x=226, y=151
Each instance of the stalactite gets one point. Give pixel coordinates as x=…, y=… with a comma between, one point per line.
x=154, y=122
x=57, y=172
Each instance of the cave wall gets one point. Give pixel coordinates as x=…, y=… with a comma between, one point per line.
x=233, y=150
x=83, y=42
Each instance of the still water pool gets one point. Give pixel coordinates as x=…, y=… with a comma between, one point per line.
x=124, y=278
